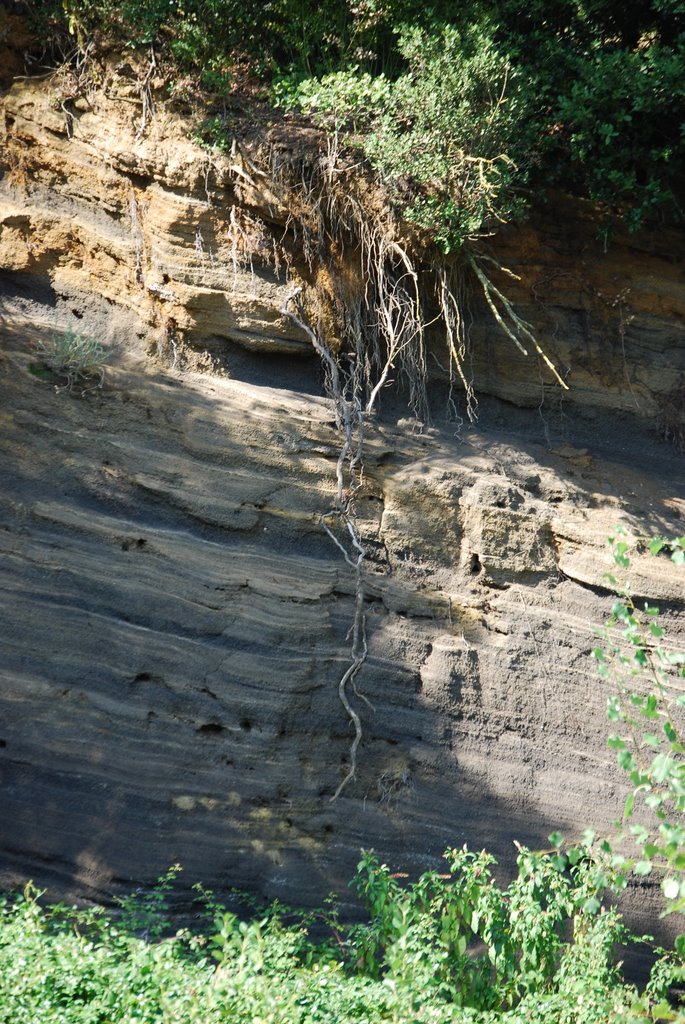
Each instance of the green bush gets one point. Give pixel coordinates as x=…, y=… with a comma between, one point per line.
x=448, y=948
x=439, y=135
x=463, y=109
x=647, y=707
x=473, y=111
x=465, y=940
x=78, y=359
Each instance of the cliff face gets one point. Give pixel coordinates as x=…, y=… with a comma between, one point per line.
x=176, y=617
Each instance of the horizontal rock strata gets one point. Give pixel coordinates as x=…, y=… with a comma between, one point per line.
x=175, y=616
x=176, y=621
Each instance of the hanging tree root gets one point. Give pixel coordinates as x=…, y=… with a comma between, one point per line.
x=455, y=331
x=380, y=339
x=349, y=416
x=359, y=647
x=510, y=322
x=393, y=338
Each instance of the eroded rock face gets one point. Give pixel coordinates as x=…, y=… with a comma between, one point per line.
x=176, y=619
x=147, y=221
x=104, y=196
x=609, y=310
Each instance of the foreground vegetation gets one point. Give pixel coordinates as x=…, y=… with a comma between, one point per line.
x=453, y=946
x=545, y=954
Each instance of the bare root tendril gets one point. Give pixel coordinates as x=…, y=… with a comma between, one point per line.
x=359, y=302
x=510, y=322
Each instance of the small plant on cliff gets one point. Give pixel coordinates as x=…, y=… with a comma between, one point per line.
x=78, y=359
x=146, y=913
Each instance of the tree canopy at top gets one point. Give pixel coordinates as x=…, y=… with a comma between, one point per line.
x=463, y=109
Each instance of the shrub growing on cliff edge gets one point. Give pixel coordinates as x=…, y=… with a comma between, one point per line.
x=586, y=96
x=441, y=135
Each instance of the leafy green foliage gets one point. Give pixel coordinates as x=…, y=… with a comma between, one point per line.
x=473, y=944
x=460, y=107
x=145, y=913
x=622, y=102
x=451, y=947
x=647, y=711
x=439, y=134
x=647, y=708
x=588, y=96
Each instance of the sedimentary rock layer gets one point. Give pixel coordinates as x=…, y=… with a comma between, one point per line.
x=176, y=618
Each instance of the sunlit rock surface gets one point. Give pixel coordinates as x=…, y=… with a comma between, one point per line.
x=175, y=618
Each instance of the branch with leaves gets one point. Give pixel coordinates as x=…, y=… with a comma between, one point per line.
x=647, y=709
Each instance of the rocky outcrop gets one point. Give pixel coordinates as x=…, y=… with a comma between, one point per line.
x=146, y=221
x=175, y=629
x=176, y=619
x=102, y=197
x=609, y=307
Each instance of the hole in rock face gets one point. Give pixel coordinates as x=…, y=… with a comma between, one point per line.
x=3, y=743
x=210, y=728
x=138, y=543
x=147, y=677
x=474, y=564
x=245, y=724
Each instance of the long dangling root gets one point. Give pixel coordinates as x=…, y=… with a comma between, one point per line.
x=359, y=650
x=518, y=326
x=455, y=330
x=373, y=294
x=350, y=419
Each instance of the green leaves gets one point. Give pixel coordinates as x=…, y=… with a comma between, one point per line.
x=670, y=888
x=647, y=705
x=443, y=948
x=662, y=767
x=487, y=947
x=76, y=358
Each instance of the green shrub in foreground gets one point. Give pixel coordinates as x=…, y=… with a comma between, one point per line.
x=454, y=947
